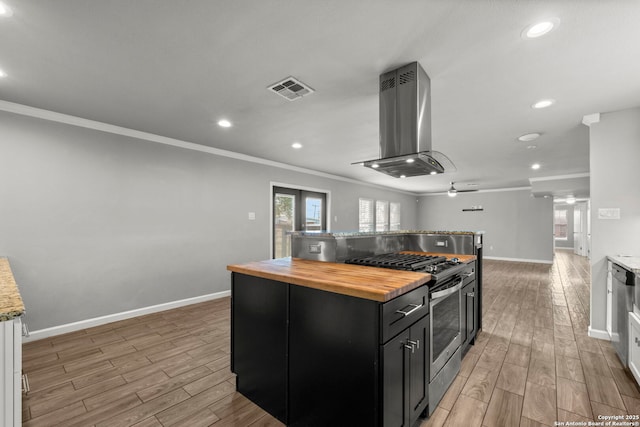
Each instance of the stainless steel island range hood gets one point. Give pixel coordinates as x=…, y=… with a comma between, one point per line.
x=405, y=126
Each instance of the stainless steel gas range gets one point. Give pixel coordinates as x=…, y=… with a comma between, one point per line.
x=445, y=311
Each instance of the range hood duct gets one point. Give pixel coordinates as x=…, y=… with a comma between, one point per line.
x=405, y=126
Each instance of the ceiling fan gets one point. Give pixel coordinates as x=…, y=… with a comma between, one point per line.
x=453, y=192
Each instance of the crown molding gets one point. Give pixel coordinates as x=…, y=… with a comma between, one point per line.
x=25, y=110
x=590, y=119
x=557, y=177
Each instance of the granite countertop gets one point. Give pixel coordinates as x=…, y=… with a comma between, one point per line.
x=629, y=262
x=375, y=233
x=11, y=305
x=373, y=283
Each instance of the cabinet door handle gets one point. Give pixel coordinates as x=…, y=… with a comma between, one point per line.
x=25, y=329
x=410, y=347
x=416, y=343
x=471, y=294
x=406, y=313
x=25, y=384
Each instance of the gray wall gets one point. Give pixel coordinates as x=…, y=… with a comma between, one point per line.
x=96, y=223
x=614, y=145
x=569, y=242
x=517, y=226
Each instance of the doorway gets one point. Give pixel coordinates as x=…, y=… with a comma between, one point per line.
x=295, y=209
x=581, y=229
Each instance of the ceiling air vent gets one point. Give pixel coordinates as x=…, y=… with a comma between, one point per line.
x=291, y=89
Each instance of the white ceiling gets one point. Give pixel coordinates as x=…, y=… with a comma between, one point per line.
x=173, y=68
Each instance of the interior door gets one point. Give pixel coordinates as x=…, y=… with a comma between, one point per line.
x=296, y=210
x=609, y=299
x=579, y=229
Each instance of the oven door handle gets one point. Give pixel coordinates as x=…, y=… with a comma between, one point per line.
x=446, y=292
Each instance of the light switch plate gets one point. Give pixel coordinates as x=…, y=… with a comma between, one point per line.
x=608, y=213
x=252, y=216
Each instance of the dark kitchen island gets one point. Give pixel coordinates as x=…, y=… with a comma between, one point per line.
x=321, y=343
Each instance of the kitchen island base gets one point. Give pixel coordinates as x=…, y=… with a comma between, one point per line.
x=315, y=358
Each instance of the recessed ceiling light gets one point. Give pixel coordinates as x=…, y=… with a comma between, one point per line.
x=543, y=103
x=529, y=137
x=541, y=28
x=375, y=166
x=535, y=166
x=2, y=73
x=296, y=145
x=433, y=173
x=224, y=123
x=5, y=11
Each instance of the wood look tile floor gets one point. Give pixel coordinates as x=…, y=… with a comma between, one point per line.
x=533, y=364
x=534, y=341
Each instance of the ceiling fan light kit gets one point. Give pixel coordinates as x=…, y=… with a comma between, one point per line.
x=453, y=192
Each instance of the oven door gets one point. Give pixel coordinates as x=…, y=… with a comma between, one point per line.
x=446, y=334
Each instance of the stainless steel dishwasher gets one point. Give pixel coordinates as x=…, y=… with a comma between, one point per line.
x=623, y=296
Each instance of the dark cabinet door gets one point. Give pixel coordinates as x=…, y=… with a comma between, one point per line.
x=259, y=341
x=333, y=359
x=469, y=314
x=395, y=359
x=419, y=368
x=405, y=361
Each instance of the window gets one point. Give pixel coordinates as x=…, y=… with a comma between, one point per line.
x=385, y=216
x=382, y=215
x=313, y=215
x=365, y=221
x=560, y=224
x=394, y=216
x=284, y=206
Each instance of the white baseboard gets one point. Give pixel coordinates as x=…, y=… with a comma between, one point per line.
x=97, y=321
x=598, y=333
x=536, y=261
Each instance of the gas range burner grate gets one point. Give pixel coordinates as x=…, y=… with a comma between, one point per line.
x=397, y=261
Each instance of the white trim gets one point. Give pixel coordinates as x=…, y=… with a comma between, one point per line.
x=297, y=187
x=553, y=178
x=598, y=333
x=97, y=321
x=490, y=190
x=39, y=113
x=590, y=119
x=536, y=261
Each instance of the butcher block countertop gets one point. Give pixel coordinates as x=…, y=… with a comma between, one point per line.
x=11, y=305
x=373, y=283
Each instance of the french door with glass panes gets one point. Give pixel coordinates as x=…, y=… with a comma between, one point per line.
x=296, y=210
